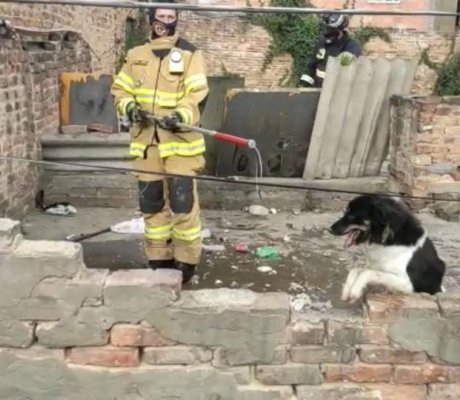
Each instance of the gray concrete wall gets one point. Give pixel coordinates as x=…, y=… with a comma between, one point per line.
x=99, y=189
x=70, y=333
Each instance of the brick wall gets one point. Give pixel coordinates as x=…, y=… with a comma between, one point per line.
x=425, y=143
x=102, y=28
x=29, y=107
x=135, y=334
x=419, y=23
x=232, y=46
x=411, y=45
x=15, y=123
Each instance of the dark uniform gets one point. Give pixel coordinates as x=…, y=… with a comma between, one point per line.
x=335, y=41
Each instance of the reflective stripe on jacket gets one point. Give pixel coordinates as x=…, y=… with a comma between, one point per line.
x=148, y=79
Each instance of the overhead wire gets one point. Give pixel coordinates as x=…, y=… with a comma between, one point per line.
x=229, y=180
x=234, y=9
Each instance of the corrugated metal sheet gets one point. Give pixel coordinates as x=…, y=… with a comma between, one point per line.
x=351, y=130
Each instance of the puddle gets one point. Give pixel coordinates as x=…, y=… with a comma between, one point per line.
x=312, y=265
x=307, y=265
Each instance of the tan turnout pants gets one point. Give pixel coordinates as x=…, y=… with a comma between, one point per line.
x=170, y=207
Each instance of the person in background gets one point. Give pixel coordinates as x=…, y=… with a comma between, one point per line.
x=334, y=41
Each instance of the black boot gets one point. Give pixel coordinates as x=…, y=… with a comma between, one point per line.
x=188, y=270
x=161, y=264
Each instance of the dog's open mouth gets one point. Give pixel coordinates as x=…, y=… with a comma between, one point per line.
x=352, y=237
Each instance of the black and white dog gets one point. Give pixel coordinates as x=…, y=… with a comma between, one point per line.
x=401, y=257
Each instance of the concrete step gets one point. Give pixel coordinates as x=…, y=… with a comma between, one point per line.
x=103, y=189
x=90, y=187
x=85, y=148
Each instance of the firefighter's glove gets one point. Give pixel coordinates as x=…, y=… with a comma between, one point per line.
x=346, y=58
x=171, y=122
x=135, y=114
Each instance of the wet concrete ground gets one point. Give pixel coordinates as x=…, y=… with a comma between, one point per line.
x=312, y=264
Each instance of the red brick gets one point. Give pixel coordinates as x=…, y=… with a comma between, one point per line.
x=452, y=130
x=423, y=148
x=399, y=392
x=353, y=391
x=346, y=333
x=428, y=109
x=442, y=391
x=443, y=121
x=303, y=332
x=176, y=355
x=289, y=374
x=322, y=354
x=449, y=303
x=359, y=373
x=390, y=355
x=381, y=307
x=138, y=336
x=428, y=373
x=425, y=138
x=107, y=356
x=421, y=159
x=443, y=110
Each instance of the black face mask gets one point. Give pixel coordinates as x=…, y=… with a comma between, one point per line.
x=169, y=28
x=331, y=34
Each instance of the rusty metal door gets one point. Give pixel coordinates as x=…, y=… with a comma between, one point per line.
x=281, y=122
x=85, y=99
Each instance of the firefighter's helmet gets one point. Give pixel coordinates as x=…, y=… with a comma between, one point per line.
x=333, y=24
x=336, y=21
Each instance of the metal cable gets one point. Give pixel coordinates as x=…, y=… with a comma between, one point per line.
x=226, y=180
x=231, y=9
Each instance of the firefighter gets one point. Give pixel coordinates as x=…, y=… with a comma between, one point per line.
x=335, y=41
x=166, y=77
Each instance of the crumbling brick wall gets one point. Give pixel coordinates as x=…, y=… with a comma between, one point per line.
x=233, y=46
x=29, y=107
x=411, y=44
x=101, y=27
x=419, y=23
x=424, y=143
x=134, y=335
x=15, y=124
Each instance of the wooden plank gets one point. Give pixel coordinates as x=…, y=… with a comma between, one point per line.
x=353, y=117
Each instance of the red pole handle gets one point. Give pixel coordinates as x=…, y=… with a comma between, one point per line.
x=225, y=137
x=239, y=141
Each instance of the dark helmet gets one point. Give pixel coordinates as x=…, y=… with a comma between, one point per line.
x=333, y=24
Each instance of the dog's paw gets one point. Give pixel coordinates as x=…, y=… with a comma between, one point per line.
x=352, y=299
x=349, y=298
x=345, y=293
x=351, y=279
x=355, y=295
